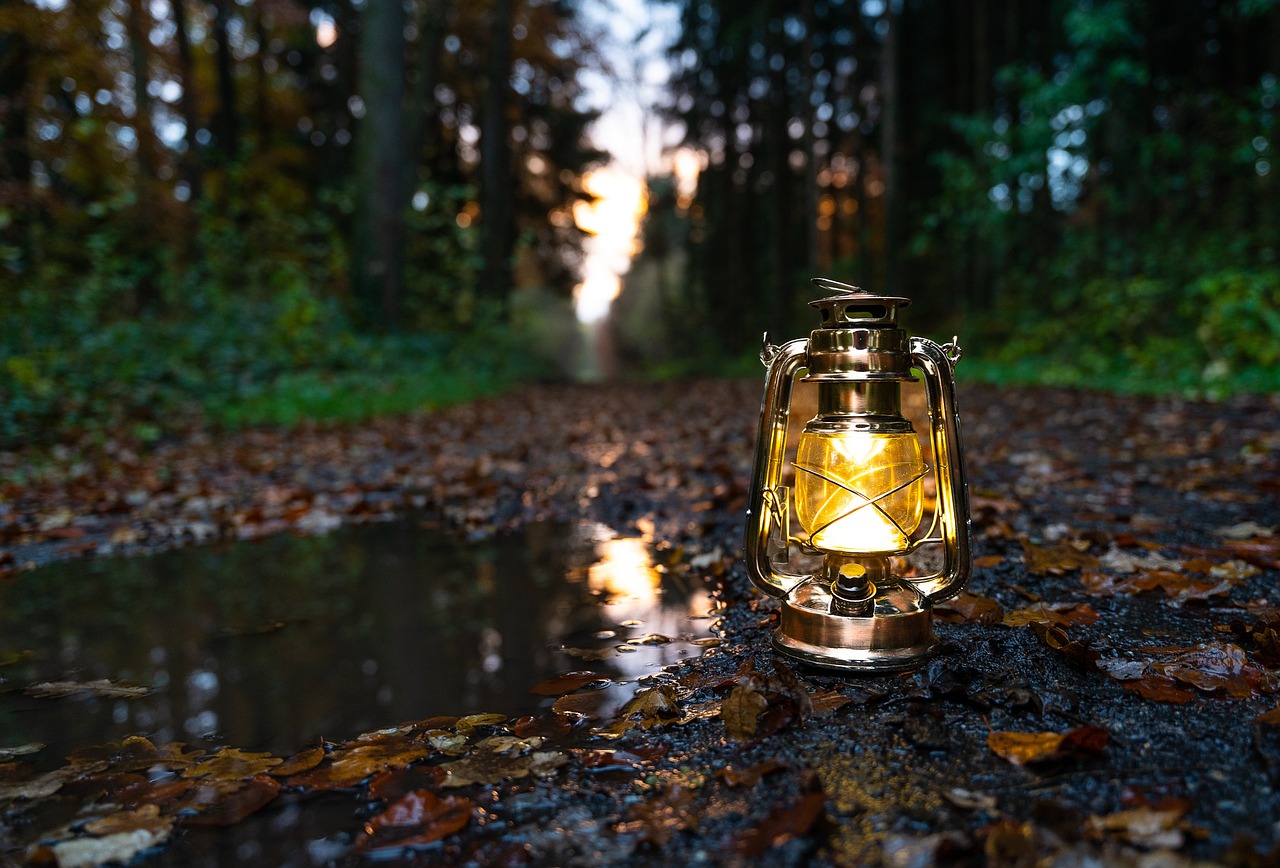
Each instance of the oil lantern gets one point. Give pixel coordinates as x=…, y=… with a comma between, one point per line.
x=859, y=491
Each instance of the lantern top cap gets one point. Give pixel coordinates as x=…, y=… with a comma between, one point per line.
x=854, y=306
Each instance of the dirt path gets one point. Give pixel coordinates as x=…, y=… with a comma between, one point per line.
x=1121, y=619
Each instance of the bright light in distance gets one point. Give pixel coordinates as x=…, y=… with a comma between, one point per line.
x=686, y=164
x=326, y=31
x=612, y=222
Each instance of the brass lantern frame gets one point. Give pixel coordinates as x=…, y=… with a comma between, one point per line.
x=874, y=621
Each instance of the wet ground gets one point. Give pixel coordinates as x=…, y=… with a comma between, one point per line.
x=1121, y=621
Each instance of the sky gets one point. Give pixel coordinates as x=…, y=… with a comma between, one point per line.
x=635, y=36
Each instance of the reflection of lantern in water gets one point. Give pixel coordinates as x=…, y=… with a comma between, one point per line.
x=859, y=488
x=625, y=572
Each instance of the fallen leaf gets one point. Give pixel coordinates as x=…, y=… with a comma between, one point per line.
x=650, y=707
x=303, y=760
x=489, y=767
x=232, y=764
x=21, y=750
x=102, y=687
x=566, y=682
x=419, y=817
x=966, y=607
x=591, y=654
x=1127, y=562
x=751, y=775
x=1064, y=614
x=1218, y=666
x=1263, y=553
x=828, y=700
x=116, y=838
x=1245, y=530
x=782, y=825
x=1023, y=748
x=349, y=766
x=1160, y=688
x=394, y=784
x=657, y=819
x=215, y=802
x=136, y=753
x=1055, y=559
x=741, y=711
x=970, y=800
x=1144, y=826
x=48, y=783
x=987, y=561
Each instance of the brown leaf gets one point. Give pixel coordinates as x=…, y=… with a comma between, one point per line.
x=233, y=764
x=566, y=682
x=591, y=654
x=657, y=819
x=1160, y=688
x=1056, y=637
x=115, y=838
x=751, y=775
x=782, y=825
x=302, y=761
x=419, y=817
x=651, y=706
x=350, y=765
x=966, y=608
x=1144, y=826
x=1064, y=614
x=988, y=561
x=741, y=711
x=1218, y=666
x=491, y=767
x=226, y=802
x=1022, y=748
x=1055, y=559
x=828, y=700
x=48, y=783
x=588, y=704
x=102, y=687
x=391, y=785
x=137, y=754
x=1263, y=553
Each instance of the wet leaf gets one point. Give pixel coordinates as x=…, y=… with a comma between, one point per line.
x=489, y=767
x=226, y=802
x=1245, y=530
x=741, y=711
x=1263, y=553
x=1064, y=614
x=21, y=750
x=590, y=654
x=419, y=817
x=1160, y=688
x=566, y=682
x=588, y=704
x=659, y=818
x=391, y=785
x=49, y=783
x=828, y=700
x=782, y=825
x=988, y=561
x=1218, y=666
x=302, y=761
x=1144, y=826
x=115, y=838
x=650, y=707
x=474, y=721
x=970, y=800
x=102, y=687
x=1023, y=748
x=750, y=776
x=967, y=608
x=137, y=754
x=349, y=766
x=1055, y=559
x=232, y=764
x=650, y=639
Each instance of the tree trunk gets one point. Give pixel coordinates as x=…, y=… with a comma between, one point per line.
x=145, y=293
x=15, y=154
x=191, y=170
x=889, y=145
x=496, y=180
x=812, y=238
x=226, y=123
x=380, y=162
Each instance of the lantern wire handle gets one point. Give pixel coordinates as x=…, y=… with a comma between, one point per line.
x=828, y=285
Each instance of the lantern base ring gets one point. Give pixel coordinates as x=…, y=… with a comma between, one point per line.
x=897, y=633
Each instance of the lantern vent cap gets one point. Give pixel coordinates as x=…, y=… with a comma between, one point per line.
x=854, y=306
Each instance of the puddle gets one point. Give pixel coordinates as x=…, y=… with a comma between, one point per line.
x=277, y=644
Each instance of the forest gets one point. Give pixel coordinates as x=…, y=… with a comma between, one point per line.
x=264, y=211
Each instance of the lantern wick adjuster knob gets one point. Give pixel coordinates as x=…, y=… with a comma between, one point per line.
x=852, y=591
